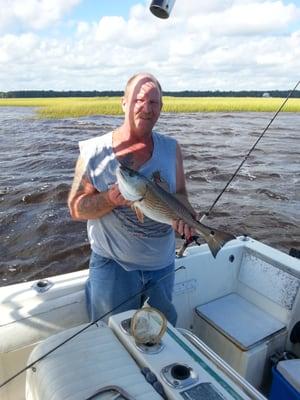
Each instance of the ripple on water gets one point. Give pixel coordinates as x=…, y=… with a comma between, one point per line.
x=38, y=157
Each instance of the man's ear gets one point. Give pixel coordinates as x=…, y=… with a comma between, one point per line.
x=123, y=104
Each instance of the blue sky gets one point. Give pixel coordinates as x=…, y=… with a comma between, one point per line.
x=98, y=44
x=89, y=9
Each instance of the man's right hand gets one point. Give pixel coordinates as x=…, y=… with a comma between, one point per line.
x=86, y=202
x=115, y=198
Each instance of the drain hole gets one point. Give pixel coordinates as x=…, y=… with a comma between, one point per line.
x=42, y=284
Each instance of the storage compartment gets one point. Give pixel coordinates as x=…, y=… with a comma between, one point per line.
x=241, y=333
x=251, y=322
x=285, y=384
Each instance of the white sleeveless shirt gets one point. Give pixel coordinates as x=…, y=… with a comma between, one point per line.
x=119, y=235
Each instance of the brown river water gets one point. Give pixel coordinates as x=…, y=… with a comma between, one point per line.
x=37, y=158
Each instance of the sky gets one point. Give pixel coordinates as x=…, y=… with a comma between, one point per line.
x=99, y=44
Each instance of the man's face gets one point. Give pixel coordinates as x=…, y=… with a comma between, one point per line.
x=142, y=105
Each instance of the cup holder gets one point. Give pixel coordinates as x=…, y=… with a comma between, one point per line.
x=180, y=372
x=179, y=375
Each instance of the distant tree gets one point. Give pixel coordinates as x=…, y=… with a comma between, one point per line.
x=118, y=93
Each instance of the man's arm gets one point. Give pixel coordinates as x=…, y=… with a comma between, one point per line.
x=85, y=202
x=179, y=225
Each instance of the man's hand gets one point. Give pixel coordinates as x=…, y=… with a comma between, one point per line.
x=86, y=202
x=183, y=229
x=115, y=198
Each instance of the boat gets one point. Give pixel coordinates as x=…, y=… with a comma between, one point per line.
x=237, y=335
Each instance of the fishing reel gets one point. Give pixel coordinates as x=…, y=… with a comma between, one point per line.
x=186, y=243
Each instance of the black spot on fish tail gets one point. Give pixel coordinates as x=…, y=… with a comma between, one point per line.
x=216, y=240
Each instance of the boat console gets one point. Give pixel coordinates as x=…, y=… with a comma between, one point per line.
x=179, y=368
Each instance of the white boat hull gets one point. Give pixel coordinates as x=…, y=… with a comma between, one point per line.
x=266, y=278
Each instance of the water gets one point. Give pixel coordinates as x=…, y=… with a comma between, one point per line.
x=37, y=158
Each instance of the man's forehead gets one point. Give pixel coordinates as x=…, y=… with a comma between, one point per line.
x=149, y=85
x=142, y=83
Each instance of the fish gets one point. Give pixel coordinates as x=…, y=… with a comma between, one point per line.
x=153, y=200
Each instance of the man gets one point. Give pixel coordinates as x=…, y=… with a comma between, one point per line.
x=128, y=255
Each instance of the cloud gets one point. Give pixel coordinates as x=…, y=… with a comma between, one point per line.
x=22, y=45
x=110, y=29
x=221, y=45
x=246, y=19
x=33, y=14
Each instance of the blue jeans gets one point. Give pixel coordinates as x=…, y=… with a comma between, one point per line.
x=109, y=285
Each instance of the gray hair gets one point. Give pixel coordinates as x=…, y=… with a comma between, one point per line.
x=142, y=74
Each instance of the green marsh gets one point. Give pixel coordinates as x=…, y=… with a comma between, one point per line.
x=85, y=106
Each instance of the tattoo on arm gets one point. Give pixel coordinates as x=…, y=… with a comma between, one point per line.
x=95, y=203
x=85, y=201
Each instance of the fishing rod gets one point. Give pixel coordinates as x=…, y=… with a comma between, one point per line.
x=195, y=238
x=248, y=153
x=143, y=291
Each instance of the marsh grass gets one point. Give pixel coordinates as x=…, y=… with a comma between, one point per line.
x=228, y=104
x=85, y=106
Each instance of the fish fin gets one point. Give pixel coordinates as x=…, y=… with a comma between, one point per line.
x=156, y=176
x=182, y=198
x=157, y=179
x=216, y=239
x=138, y=213
x=164, y=185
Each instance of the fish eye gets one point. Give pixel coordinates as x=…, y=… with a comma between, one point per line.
x=131, y=173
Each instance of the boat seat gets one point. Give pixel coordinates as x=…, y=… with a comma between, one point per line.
x=244, y=335
x=242, y=322
x=81, y=367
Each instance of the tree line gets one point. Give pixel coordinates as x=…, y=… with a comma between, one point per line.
x=117, y=93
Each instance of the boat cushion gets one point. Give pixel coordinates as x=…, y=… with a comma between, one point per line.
x=290, y=370
x=240, y=321
x=79, y=368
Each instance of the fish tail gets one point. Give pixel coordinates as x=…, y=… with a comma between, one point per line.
x=216, y=239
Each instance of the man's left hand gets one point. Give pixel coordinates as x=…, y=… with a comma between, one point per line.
x=183, y=229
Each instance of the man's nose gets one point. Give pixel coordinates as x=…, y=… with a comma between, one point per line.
x=147, y=107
